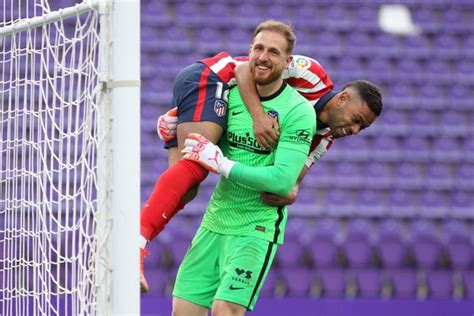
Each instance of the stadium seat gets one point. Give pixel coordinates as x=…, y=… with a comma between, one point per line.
x=416, y=149
x=371, y=203
x=401, y=202
x=439, y=176
x=447, y=149
x=339, y=202
x=298, y=281
x=394, y=122
x=377, y=175
x=271, y=281
x=348, y=175
x=468, y=280
x=408, y=175
x=332, y=282
x=425, y=244
x=424, y=122
x=358, y=242
x=404, y=283
x=324, y=243
x=433, y=204
x=456, y=241
x=391, y=243
x=440, y=284
x=465, y=176
x=386, y=149
x=290, y=254
x=462, y=204
x=368, y=281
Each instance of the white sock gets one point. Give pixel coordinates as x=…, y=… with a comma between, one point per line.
x=143, y=242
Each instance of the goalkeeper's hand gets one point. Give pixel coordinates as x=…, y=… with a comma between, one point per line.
x=166, y=125
x=199, y=149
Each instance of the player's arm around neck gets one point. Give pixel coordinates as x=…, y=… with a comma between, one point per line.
x=265, y=128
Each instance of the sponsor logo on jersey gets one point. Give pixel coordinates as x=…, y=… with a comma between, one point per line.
x=301, y=135
x=220, y=107
x=302, y=62
x=246, y=142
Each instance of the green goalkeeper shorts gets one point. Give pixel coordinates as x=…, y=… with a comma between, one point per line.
x=224, y=267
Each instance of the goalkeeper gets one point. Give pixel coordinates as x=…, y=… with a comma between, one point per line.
x=233, y=249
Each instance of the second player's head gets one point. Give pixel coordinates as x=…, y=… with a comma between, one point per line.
x=270, y=52
x=353, y=108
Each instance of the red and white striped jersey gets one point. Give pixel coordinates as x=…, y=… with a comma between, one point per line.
x=305, y=74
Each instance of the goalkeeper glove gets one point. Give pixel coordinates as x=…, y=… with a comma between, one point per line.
x=166, y=125
x=199, y=149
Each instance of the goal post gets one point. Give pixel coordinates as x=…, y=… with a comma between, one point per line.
x=69, y=157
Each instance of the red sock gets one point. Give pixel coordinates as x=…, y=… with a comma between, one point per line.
x=167, y=196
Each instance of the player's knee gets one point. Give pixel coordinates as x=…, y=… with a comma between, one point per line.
x=221, y=308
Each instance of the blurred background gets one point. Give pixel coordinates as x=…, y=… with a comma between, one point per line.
x=386, y=216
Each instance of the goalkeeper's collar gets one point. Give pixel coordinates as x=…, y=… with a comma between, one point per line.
x=320, y=105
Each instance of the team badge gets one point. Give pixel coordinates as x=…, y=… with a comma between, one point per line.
x=220, y=107
x=273, y=114
x=302, y=62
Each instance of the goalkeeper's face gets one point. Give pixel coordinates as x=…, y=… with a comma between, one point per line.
x=268, y=57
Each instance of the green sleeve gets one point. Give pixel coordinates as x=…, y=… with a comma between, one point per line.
x=278, y=179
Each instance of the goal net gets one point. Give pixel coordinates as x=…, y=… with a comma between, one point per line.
x=54, y=220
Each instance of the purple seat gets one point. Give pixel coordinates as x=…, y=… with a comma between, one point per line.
x=348, y=174
x=215, y=41
x=430, y=97
x=369, y=282
x=268, y=289
x=404, y=283
x=175, y=38
x=298, y=281
x=408, y=175
x=433, y=204
x=468, y=280
x=468, y=149
x=417, y=149
x=386, y=149
x=462, y=204
x=456, y=241
x=324, y=243
x=464, y=67
x=424, y=123
x=439, y=176
x=401, y=202
x=447, y=44
x=237, y=41
x=465, y=176
x=290, y=254
x=339, y=202
x=415, y=46
x=425, y=243
x=153, y=260
x=460, y=97
x=332, y=282
x=371, y=203
x=447, y=149
x=157, y=279
x=219, y=13
x=357, y=244
x=412, y=67
x=247, y=14
x=188, y=13
x=440, y=284
x=377, y=175
x=391, y=243
x=357, y=148
x=394, y=122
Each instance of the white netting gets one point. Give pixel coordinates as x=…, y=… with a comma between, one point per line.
x=49, y=94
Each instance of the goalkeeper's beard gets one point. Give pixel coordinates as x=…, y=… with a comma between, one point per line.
x=263, y=81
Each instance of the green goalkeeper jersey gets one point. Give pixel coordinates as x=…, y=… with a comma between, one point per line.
x=235, y=207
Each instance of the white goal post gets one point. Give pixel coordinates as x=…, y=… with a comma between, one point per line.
x=69, y=157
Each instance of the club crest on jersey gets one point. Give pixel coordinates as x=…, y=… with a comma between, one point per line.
x=273, y=114
x=220, y=107
x=302, y=62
